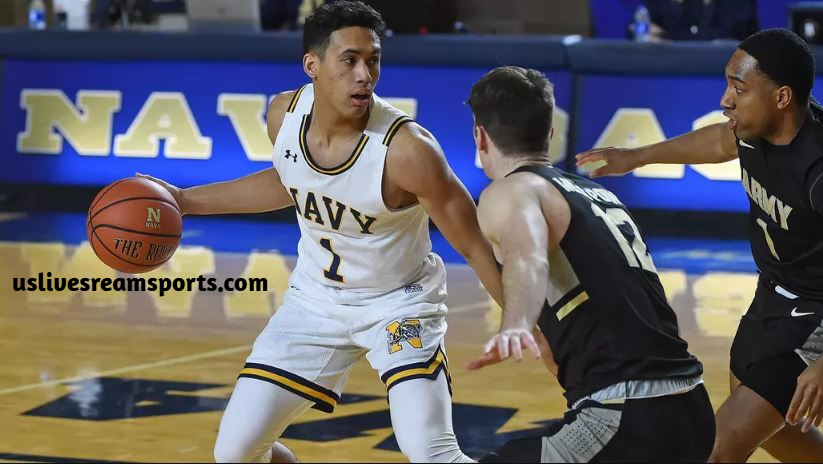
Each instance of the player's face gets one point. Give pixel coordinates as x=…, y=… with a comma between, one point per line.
x=749, y=100
x=348, y=73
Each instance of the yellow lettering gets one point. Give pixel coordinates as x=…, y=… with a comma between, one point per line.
x=246, y=111
x=637, y=127
x=165, y=115
x=62, y=261
x=87, y=126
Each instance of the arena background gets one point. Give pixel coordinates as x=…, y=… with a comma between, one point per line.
x=138, y=377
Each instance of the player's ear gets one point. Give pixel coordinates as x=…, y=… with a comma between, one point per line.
x=784, y=95
x=310, y=64
x=481, y=138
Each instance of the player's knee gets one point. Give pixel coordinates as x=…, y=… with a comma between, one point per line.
x=730, y=445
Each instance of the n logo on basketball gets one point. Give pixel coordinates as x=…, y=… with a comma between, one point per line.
x=408, y=330
x=152, y=218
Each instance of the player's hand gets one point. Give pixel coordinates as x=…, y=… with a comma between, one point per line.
x=619, y=161
x=506, y=344
x=807, y=403
x=176, y=192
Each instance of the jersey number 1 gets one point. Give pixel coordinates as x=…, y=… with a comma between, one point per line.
x=332, y=272
x=637, y=253
x=769, y=240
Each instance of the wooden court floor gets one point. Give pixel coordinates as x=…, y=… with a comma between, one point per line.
x=133, y=377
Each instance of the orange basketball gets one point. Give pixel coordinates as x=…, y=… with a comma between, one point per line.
x=134, y=225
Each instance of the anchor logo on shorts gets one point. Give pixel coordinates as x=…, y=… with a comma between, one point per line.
x=406, y=329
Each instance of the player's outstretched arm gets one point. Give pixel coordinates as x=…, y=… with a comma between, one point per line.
x=521, y=236
x=255, y=193
x=417, y=165
x=711, y=144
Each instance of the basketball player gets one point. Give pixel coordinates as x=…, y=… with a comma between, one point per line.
x=364, y=180
x=575, y=263
x=776, y=372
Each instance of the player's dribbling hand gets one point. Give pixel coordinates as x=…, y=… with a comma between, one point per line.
x=618, y=161
x=506, y=344
x=807, y=403
x=175, y=191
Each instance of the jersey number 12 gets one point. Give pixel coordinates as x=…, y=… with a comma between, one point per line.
x=636, y=253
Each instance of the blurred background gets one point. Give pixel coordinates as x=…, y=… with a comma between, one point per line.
x=92, y=91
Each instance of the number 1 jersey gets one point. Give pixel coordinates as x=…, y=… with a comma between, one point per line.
x=349, y=238
x=606, y=317
x=786, y=229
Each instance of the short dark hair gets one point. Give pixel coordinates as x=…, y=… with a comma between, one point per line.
x=515, y=106
x=783, y=58
x=332, y=16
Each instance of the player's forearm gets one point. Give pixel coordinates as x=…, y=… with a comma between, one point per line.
x=525, y=286
x=710, y=144
x=255, y=193
x=484, y=265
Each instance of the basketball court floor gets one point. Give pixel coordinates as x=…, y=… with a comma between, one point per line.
x=135, y=377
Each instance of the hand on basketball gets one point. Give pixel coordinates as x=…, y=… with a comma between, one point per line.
x=175, y=191
x=807, y=403
x=619, y=161
x=506, y=344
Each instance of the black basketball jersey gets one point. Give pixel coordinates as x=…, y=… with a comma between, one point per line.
x=786, y=233
x=606, y=317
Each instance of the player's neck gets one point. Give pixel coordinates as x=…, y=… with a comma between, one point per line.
x=787, y=127
x=510, y=163
x=328, y=124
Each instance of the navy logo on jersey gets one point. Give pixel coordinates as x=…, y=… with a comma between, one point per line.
x=290, y=155
x=408, y=330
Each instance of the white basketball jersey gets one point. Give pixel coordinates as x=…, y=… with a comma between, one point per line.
x=349, y=238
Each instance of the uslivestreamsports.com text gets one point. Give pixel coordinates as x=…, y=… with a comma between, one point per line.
x=137, y=284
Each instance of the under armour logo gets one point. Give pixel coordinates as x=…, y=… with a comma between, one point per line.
x=290, y=155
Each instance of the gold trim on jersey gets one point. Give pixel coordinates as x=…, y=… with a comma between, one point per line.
x=573, y=304
x=395, y=126
x=294, y=98
x=304, y=147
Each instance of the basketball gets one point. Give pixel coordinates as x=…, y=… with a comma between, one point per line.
x=134, y=225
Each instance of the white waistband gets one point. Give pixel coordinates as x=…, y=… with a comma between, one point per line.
x=636, y=389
